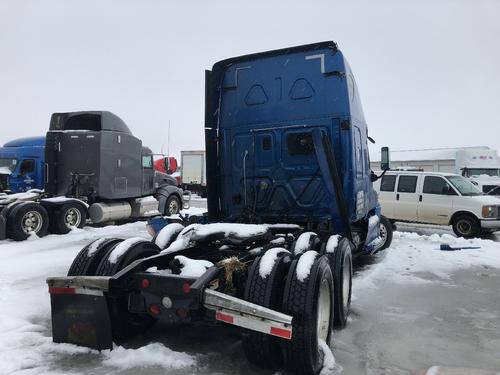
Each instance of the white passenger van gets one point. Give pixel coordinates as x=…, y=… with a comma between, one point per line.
x=438, y=198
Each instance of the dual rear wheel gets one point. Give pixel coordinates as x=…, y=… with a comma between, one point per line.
x=315, y=288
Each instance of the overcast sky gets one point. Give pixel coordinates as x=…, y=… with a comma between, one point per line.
x=428, y=71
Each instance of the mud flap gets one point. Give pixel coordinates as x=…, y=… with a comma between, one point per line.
x=80, y=317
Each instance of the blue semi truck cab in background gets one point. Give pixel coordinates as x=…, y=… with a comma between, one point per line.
x=22, y=165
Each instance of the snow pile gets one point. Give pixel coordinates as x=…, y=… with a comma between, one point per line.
x=304, y=265
x=167, y=233
x=152, y=355
x=5, y=170
x=373, y=221
x=412, y=257
x=328, y=358
x=95, y=245
x=302, y=243
x=122, y=248
x=193, y=267
x=268, y=260
x=183, y=239
x=332, y=243
x=278, y=241
x=238, y=232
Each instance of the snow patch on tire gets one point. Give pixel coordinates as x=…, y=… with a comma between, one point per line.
x=122, y=248
x=167, y=233
x=304, y=265
x=95, y=245
x=302, y=243
x=268, y=260
x=332, y=243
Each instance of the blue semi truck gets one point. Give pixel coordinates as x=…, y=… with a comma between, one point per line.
x=22, y=165
x=290, y=200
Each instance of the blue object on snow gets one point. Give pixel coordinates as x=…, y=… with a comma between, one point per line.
x=446, y=247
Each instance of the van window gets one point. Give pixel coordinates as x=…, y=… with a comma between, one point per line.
x=388, y=183
x=27, y=166
x=435, y=185
x=407, y=184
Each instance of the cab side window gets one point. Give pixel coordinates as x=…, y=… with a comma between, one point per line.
x=388, y=183
x=147, y=161
x=407, y=184
x=436, y=185
x=27, y=166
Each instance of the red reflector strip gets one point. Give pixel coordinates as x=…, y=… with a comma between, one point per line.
x=280, y=332
x=53, y=290
x=224, y=318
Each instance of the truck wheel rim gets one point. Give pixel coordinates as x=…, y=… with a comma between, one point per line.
x=72, y=217
x=383, y=233
x=464, y=227
x=31, y=222
x=173, y=207
x=324, y=310
x=346, y=284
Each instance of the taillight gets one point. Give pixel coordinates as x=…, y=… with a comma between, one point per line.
x=154, y=309
x=186, y=288
x=145, y=283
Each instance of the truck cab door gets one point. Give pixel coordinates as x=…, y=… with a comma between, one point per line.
x=26, y=177
x=436, y=201
x=406, y=198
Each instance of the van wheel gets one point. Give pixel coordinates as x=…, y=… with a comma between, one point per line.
x=310, y=301
x=466, y=226
x=385, y=232
x=261, y=349
x=69, y=215
x=27, y=219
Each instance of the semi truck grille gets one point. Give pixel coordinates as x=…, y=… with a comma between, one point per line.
x=491, y=189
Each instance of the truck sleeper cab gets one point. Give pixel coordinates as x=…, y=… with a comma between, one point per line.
x=438, y=198
x=289, y=200
x=94, y=168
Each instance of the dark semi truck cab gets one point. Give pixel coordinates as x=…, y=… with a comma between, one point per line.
x=290, y=199
x=96, y=169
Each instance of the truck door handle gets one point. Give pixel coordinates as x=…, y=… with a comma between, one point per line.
x=397, y=196
x=420, y=198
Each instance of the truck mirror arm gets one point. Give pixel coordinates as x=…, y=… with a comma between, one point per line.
x=374, y=177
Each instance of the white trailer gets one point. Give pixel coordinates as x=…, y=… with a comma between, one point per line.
x=480, y=164
x=193, y=172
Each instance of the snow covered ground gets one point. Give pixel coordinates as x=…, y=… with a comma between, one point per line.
x=413, y=306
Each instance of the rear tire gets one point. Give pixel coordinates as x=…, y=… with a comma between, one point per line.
x=67, y=216
x=466, y=226
x=125, y=324
x=25, y=219
x=303, y=300
x=260, y=349
x=88, y=259
x=341, y=266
